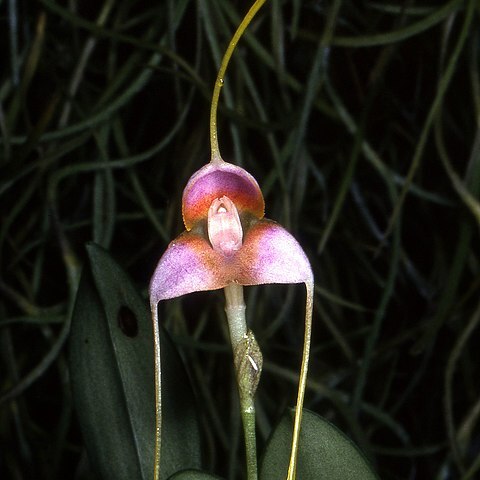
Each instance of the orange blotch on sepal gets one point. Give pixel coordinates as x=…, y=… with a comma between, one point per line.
x=218, y=180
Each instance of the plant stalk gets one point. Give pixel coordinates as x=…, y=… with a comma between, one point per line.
x=248, y=367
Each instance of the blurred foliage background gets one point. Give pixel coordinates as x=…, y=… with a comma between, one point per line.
x=361, y=122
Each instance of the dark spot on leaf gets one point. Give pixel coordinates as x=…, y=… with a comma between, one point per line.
x=127, y=321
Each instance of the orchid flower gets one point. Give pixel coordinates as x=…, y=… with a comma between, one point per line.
x=227, y=239
x=228, y=243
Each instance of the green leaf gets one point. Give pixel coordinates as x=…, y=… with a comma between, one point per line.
x=111, y=365
x=193, y=475
x=325, y=453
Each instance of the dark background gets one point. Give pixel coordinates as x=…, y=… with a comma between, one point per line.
x=360, y=121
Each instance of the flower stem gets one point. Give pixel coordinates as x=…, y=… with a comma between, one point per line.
x=248, y=367
x=235, y=310
x=248, y=419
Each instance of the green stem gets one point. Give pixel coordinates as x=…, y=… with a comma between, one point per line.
x=248, y=419
x=235, y=310
x=248, y=366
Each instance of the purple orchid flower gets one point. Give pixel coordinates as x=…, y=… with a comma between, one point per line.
x=227, y=239
x=227, y=244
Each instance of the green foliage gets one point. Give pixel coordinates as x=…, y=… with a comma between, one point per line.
x=325, y=453
x=193, y=475
x=111, y=351
x=360, y=121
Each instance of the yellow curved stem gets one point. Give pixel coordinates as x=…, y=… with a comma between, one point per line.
x=292, y=467
x=216, y=157
x=158, y=391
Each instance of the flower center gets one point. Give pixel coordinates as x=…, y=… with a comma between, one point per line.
x=224, y=227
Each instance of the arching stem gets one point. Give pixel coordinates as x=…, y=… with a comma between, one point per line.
x=158, y=391
x=292, y=467
x=216, y=157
